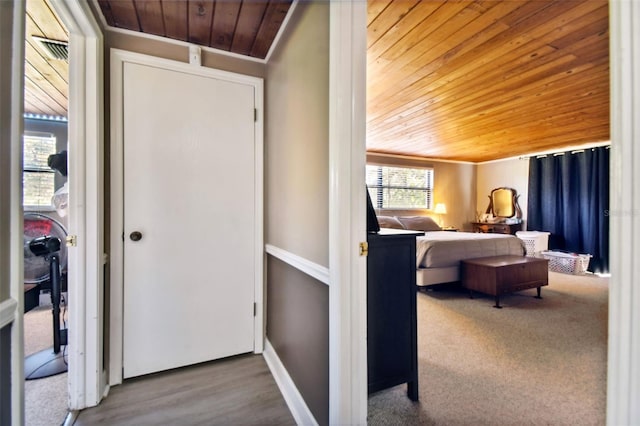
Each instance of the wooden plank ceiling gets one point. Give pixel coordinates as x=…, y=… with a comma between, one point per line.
x=458, y=80
x=482, y=80
x=46, y=80
x=245, y=27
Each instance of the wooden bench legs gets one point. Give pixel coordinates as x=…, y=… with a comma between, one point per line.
x=497, y=297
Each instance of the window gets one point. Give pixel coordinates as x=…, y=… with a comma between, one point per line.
x=38, y=179
x=400, y=187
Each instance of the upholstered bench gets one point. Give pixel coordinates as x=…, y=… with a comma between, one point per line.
x=504, y=274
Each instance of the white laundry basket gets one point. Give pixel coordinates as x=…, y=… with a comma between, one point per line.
x=534, y=241
x=567, y=263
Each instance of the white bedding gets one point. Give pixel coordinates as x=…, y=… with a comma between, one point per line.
x=441, y=249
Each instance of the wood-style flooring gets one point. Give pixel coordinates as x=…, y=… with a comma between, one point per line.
x=234, y=391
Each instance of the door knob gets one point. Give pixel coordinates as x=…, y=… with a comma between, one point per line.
x=135, y=236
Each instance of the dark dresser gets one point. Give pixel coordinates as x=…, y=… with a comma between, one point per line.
x=391, y=311
x=496, y=228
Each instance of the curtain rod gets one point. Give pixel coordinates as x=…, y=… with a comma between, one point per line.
x=574, y=151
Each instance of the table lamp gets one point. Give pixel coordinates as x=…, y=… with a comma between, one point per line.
x=440, y=210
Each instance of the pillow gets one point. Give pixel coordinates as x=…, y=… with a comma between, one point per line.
x=419, y=223
x=389, y=222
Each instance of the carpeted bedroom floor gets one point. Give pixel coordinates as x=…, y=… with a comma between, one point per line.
x=534, y=362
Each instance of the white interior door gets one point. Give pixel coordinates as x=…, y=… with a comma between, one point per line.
x=189, y=190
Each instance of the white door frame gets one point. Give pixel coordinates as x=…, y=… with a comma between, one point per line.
x=11, y=108
x=118, y=59
x=86, y=374
x=347, y=401
x=623, y=361
x=347, y=214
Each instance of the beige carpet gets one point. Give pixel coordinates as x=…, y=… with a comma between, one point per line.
x=46, y=398
x=534, y=362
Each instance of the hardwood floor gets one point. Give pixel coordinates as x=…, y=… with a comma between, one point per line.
x=234, y=391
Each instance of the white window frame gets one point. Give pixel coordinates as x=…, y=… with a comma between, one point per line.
x=41, y=135
x=377, y=201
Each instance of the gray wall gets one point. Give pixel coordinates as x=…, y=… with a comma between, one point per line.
x=5, y=375
x=178, y=52
x=297, y=137
x=454, y=184
x=512, y=173
x=464, y=187
x=297, y=200
x=6, y=48
x=297, y=327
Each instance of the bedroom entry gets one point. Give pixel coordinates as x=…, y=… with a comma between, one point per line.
x=189, y=216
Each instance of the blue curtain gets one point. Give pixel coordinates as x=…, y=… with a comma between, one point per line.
x=569, y=197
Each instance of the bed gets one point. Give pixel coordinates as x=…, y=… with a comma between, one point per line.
x=438, y=253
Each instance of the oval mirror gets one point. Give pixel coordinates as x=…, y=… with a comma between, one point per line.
x=503, y=203
x=502, y=200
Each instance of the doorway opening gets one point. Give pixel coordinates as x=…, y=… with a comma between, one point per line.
x=45, y=201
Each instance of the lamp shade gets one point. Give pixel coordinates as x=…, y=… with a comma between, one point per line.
x=440, y=209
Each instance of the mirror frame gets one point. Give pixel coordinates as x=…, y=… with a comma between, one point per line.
x=514, y=202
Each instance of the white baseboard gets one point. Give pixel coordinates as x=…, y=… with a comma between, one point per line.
x=292, y=396
x=71, y=418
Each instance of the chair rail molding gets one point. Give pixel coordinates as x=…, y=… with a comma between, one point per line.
x=310, y=268
x=8, y=312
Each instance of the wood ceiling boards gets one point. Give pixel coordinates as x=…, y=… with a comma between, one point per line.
x=246, y=27
x=46, y=80
x=482, y=80
x=457, y=80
